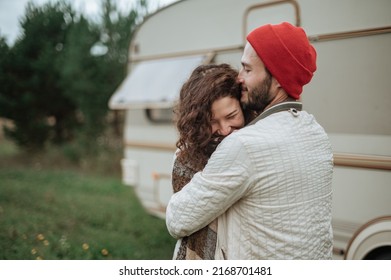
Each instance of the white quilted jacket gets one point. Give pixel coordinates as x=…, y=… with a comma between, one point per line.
x=270, y=186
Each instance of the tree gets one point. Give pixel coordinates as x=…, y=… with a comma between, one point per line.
x=80, y=80
x=116, y=31
x=33, y=98
x=4, y=77
x=93, y=68
x=56, y=85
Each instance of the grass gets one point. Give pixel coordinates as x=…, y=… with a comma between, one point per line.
x=63, y=213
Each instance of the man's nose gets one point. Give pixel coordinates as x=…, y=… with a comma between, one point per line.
x=240, y=76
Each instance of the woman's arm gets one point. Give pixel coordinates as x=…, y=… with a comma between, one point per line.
x=181, y=175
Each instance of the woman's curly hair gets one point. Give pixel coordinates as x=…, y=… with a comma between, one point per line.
x=206, y=84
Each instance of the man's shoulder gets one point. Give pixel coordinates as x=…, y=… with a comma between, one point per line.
x=240, y=137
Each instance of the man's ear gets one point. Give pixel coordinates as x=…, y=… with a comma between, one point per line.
x=275, y=83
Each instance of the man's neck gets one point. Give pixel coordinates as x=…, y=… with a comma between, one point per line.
x=280, y=97
x=284, y=105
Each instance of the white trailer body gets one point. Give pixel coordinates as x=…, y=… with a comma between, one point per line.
x=349, y=95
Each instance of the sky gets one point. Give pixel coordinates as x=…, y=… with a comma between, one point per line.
x=11, y=12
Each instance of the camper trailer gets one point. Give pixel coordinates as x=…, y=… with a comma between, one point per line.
x=349, y=95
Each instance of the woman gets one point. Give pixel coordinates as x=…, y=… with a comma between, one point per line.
x=208, y=110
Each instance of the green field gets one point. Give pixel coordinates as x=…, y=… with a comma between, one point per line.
x=63, y=213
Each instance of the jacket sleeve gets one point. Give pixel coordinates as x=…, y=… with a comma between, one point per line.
x=210, y=192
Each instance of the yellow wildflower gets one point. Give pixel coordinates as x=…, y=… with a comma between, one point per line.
x=85, y=246
x=104, y=252
x=40, y=237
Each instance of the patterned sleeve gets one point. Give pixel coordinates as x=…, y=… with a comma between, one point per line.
x=181, y=175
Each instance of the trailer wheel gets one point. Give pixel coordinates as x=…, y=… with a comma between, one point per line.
x=372, y=241
x=382, y=253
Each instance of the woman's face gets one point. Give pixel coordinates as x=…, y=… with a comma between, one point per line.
x=227, y=116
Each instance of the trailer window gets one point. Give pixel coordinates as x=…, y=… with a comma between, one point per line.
x=162, y=115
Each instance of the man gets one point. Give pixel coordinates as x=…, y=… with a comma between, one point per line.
x=269, y=183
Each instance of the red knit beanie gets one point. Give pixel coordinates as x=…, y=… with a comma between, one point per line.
x=286, y=53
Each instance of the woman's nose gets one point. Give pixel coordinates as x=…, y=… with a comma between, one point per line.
x=225, y=130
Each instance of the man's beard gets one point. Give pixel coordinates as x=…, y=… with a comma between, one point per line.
x=259, y=98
